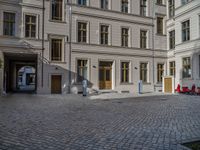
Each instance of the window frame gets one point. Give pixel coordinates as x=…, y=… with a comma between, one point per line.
x=145, y=46
x=172, y=39
x=145, y=69
x=160, y=25
x=185, y=30
x=60, y=18
x=171, y=8
x=105, y=33
x=82, y=2
x=125, y=4
x=86, y=32
x=143, y=8
x=160, y=72
x=36, y=25
x=13, y=32
x=172, y=68
x=188, y=73
x=61, y=50
x=125, y=72
x=105, y=5
x=125, y=37
x=82, y=68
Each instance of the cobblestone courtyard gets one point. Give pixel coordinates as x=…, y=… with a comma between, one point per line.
x=76, y=123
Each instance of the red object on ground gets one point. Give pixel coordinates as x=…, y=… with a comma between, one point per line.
x=178, y=89
x=193, y=90
x=198, y=90
x=185, y=89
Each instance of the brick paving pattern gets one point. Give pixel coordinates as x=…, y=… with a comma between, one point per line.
x=59, y=122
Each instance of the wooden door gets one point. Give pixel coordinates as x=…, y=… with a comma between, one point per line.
x=105, y=78
x=56, y=84
x=168, y=85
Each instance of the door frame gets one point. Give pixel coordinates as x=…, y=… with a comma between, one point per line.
x=60, y=83
x=112, y=72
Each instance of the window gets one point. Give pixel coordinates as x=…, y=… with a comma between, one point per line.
x=104, y=4
x=57, y=9
x=9, y=24
x=159, y=2
x=82, y=2
x=143, y=7
x=56, y=49
x=104, y=34
x=172, y=68
x=124, y=72
x=159, y=25
x=184, y=1
x=82, y=32
x=125, y=37
x=124, y=6
x=143, y=72
x=171, y=8
x=160, y=72
x=186, y=67
x=81, y=70
x=30, y=26
x=172, y=39
x=186, y=31
x=143, y=39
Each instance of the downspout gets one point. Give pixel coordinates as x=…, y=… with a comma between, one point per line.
x=153, y=46
x=70, y=44
x=42, y=68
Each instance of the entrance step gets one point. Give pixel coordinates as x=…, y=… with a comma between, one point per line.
x=106, y=91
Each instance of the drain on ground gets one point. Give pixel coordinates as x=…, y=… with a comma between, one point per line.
x=193, y=145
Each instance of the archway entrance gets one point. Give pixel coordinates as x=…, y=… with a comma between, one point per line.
x=20, y=73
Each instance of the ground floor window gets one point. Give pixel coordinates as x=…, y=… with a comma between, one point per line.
x=172, y=68
x=143, y=72
x=160, y=72
x=82, y=66
x=186, y=67
x=124, y=72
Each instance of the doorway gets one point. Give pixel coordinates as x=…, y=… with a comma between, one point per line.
x=56, y=83
x=105, y=75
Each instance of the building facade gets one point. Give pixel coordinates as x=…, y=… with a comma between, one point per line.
x=111, y=43
x=183, y=38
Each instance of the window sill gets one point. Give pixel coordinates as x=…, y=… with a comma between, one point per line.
x=57, y=21
x=159, y=34
x=58, y=62
x=126, y=83
x=161, y=4
x=146, y=83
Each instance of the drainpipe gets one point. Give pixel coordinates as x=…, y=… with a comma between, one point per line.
x=70, y=43
x=153, y=40
x=42, y=68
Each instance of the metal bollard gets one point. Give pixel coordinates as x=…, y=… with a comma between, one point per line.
x=140, y=86
x=84, y=83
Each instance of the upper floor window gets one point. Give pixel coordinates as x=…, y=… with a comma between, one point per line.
x=57, y=10
x=124, y=37
x=9, y=23
x=124, y=6
x=143, y=7
x=172, y=68
x=104, y=4
x=104, y=34
x=143, y=72
x=159, y=2
x=160, y=72
x=143, y=39
x=184, y=1
x=56, y=49
x=30, y=26
x=186, y=31
x=159, y=25
x=172, y=39
x=186, y=67
x=171, y=8
x=124, y=72
x=82, y=32
x=82, y=2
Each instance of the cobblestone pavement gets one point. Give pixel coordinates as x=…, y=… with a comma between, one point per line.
x=71, y=122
